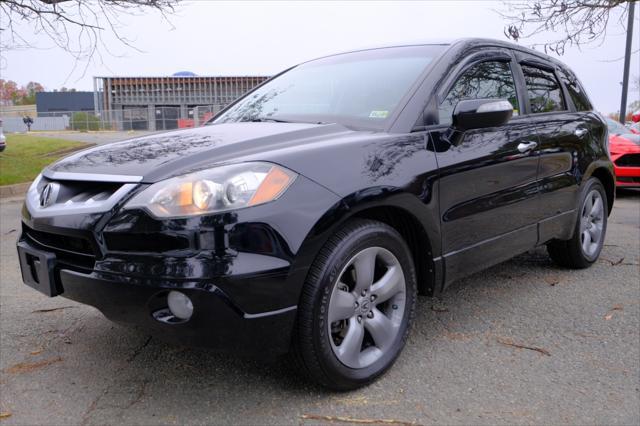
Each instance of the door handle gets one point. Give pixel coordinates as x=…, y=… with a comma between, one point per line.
x=580, y=132
x=524, y=147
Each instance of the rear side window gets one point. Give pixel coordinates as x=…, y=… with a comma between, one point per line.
x=576, y=92
x=491, y=79
x=543, y=90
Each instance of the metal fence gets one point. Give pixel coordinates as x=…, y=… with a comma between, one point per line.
x=145, y=118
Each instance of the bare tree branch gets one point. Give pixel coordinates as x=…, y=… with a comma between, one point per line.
x=574, y=22
x=76, y=26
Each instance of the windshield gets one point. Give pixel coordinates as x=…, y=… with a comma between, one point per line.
x=362, y=87
x=616, y=128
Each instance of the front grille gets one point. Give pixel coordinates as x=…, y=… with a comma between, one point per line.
x=69, y=250
x=628, y=160
x=78, y=193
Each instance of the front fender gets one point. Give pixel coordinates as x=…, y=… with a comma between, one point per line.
x=360, y=204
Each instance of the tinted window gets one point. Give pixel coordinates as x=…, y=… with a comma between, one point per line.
x=490, y=79
x=362, y=87
x=576, y=92
x=543, y=89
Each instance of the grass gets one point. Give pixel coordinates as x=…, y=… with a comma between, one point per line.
x=26, y=155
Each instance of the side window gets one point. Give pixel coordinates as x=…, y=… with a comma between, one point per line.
x=576, y=92
x=491, y=79
x=543, y=90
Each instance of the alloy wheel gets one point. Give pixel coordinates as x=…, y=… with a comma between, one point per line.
x=366, y=307
x=591, y=223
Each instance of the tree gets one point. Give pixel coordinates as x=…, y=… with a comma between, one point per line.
x=8, y=91
x=575, y=22
x=12, y=94
x=73, y=25
x=30, y=92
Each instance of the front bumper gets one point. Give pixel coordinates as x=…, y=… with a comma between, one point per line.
x=217, y=322
x=243, y=270
x=627, y=177
x=627, y=168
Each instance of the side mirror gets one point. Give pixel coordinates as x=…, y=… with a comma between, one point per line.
x=481, y=113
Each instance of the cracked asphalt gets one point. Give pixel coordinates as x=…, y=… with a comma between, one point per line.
x=523, y=342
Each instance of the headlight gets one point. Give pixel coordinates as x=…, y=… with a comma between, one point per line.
x=214, y=190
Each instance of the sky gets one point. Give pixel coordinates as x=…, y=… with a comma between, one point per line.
x=262, y=38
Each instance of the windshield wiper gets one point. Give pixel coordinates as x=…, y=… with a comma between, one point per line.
x=280, y=120
x=267, y=119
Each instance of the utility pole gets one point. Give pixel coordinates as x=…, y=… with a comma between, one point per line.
x=627, y=63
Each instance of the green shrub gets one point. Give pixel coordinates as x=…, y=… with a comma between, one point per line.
x=83, y=122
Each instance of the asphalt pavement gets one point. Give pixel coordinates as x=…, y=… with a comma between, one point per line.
x=521, y=343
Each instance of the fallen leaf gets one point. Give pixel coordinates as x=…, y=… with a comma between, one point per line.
x=616, y=307
x=613, y=262
x=26, y=367
x=36, y=352
x=508, y=342
x=552, y=280
x=4, y=414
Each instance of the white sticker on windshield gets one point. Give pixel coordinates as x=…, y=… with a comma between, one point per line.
x=378, y=114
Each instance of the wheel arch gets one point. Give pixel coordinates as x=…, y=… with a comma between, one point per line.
x=402, y=211
x=606, y=177
x=414, y=235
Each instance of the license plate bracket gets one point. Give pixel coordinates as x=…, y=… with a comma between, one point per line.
x=37, y=269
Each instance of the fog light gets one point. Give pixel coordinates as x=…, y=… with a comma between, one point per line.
x=180, y=305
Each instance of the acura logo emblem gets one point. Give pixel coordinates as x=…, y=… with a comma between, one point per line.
x=49, y=194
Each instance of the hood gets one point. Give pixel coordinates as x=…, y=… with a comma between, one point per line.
x=625, y=142
x=156, y=157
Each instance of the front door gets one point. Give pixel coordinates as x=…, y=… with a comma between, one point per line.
x=488, y=177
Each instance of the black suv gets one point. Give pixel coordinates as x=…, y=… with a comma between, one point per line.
x=309, y=213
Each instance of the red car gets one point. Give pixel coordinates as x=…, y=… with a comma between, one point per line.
x=624, y=147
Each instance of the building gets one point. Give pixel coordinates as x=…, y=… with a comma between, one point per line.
x=162, y=103
x=51, y=104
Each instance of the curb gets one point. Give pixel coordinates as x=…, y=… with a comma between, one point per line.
x=9, y=191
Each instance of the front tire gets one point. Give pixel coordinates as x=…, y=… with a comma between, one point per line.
x=356, y=306
x=584, y=248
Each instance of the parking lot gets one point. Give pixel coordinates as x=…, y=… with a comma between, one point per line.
x=523, y=342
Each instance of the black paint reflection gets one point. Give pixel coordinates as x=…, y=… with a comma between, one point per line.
x=383, y=161
x=139, y=151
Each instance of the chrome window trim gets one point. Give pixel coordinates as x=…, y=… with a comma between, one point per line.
x=91, y=177
x=32, y=202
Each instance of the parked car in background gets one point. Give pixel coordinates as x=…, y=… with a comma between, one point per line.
x=635, y=128
x=3, y=139
x=624, y=147
x=309, y=214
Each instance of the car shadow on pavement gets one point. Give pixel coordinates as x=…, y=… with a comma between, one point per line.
x=628, y=193
x=456, y=315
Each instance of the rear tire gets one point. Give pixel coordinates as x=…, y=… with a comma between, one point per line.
x=356, y=306
x=584, y=248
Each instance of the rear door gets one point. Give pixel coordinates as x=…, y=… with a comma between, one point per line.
x=487, y=179
x=565, y=136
